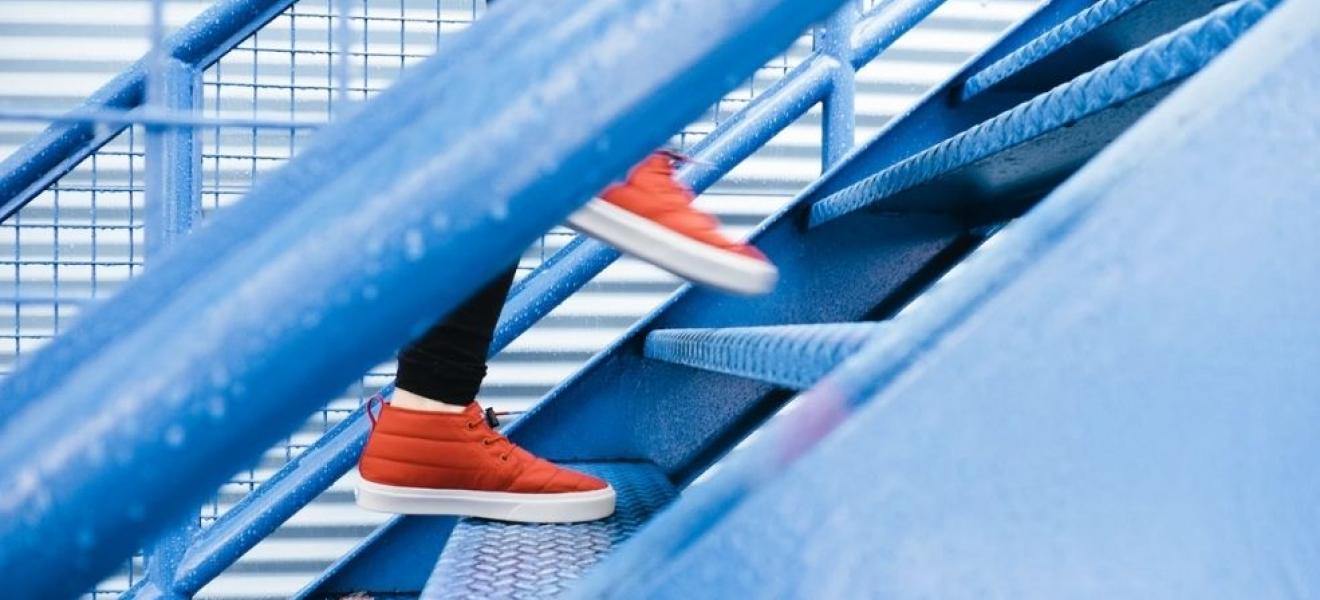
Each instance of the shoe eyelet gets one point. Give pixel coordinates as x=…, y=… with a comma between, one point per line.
x=487, y=442
x=472, y=426
x=504, y=457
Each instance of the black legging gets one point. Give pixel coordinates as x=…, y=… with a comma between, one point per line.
x=449, y=361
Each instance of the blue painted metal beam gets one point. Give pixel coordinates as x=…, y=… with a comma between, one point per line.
x=285, y=311
x=1161, y=458
x=794, y=356
x=1094, y=36
x=60, y=148
x=992, y=169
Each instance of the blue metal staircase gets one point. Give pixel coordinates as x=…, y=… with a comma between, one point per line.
x=990, y=172
x=1068, y=414
x=891, y=256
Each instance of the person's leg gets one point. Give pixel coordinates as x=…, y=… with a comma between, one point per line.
x=447, y=364
x=432, y=452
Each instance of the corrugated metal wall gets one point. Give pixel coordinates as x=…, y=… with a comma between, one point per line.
x=82, y=240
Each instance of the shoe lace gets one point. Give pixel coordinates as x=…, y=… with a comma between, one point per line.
x=491, y=421
x=680, y=158
x=377, y=399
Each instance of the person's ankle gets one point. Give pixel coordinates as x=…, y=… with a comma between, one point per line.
x=406, y=399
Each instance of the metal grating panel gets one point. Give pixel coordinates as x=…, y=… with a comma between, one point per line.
x=489, y=559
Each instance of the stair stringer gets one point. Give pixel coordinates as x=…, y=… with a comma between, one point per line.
x=1115, y=398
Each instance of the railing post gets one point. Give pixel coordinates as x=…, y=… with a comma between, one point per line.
x=173, y=203
x=173, y=159
x=834, y=40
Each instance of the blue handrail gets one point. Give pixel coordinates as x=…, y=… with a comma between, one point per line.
x=823, y=75
x=541, y=291
x=281, y=283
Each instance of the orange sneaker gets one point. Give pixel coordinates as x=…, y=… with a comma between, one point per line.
x=430, y=463
x=650, y=216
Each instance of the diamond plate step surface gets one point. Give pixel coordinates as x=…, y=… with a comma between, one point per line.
x=997, y=168
x=1093, y=36
x=794, y=356
x=491, y=559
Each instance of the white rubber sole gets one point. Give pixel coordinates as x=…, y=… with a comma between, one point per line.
x=572, y=507
x=672, y=251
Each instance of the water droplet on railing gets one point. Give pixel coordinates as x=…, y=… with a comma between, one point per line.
x=413, y=245
x=174, y=436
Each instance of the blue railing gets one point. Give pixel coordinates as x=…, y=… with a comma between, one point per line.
x=185, y=563
x=103, y=533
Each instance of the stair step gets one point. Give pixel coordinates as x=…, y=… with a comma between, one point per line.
x=1096, y=35
x=491, y=559
x=995, y=169
x=794, y=356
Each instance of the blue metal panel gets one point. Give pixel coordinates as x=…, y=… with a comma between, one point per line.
x=202, y=41
x=283, y=289
x=1094, y=36
x=488, y=560
x=1092, y=407
x=1008, y=179
x=794, y=356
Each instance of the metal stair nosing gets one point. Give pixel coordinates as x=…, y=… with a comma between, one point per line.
x=1102, y=32
x=999, y=161
x=792, y=356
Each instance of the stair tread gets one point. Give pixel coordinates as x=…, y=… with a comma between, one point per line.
x=1125, y=22
x=794, y=356
x=492, y=559
x=994, y=161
